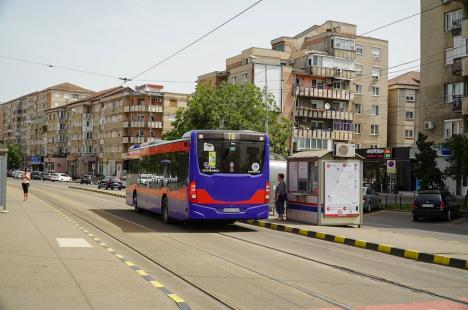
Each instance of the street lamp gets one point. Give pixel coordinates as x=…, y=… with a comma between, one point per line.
x=265, y=88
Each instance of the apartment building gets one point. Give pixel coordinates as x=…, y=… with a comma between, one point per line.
x=442, y=110
x=101, y=127
x=327, y=79
x=25, y=121
x=403, y=94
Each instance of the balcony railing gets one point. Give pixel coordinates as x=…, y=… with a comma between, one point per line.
x=325, y=93
x=142, y=124
x=456, y=27
x=143, y=108
x=332, y=72
x=322, y=113
x=324, y=134
x=457, y=104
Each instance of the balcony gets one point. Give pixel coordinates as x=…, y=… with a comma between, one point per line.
x=325, y=114
x=325, y=93
x=464, y=108
x=143, y=108
x=324, y=134
x=457, y=104
x=137, y=139
x=456, y=28
x=332, y=72
x=141, y=124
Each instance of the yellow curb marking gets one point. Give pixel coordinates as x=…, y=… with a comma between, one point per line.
x=175, y=297
x=385, y=248
x=441, y=260
x=412, y=254
x=360, y=243
x=339, y=239
x=303, y=232
x=156, y=284
x=320, y=235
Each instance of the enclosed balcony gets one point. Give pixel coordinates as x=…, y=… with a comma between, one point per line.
x=143, y=108
x=340, y=135
x=323, y=114
x=329, y=93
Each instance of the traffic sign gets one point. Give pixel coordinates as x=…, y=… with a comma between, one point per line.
x=391, y=166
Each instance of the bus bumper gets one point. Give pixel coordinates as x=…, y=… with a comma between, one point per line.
x=228, y=212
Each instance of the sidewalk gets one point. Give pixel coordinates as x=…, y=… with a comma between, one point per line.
x=399, y=244
x=38, y=270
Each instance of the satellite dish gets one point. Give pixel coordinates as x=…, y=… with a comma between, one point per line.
x=327, y=106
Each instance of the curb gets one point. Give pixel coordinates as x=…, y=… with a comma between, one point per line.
x=382, y=248
x=97, y=191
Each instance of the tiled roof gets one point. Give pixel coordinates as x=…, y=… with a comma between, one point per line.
x=408, y=78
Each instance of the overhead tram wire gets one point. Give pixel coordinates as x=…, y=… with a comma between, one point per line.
x=196, y=41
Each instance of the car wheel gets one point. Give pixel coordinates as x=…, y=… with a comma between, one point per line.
x=135, y=204
x=369, y=207
x=165, y=211
x=415, y=218
x=448, y=217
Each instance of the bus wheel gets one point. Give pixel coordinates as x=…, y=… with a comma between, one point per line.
x=165, y=211
x=135, y=204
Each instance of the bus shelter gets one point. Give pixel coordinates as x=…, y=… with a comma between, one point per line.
x=324, y=189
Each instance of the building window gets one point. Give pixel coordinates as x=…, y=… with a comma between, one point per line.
x=343, y=43
x=173, y=103
x=408, y=134
x=358, y=89
x=244, y=77
x=76, y=96
x=357, y=128
x=376, y=73
x=56, y=95
x=409, y=98
x=89, y=135
x=453, y=91
x=66, y=96
x=358, y=69
x=376, y=53
x=139, y=133
x=452, y=19
x=312, y=144
x=358, y=108
x=375, y=110
x=373, y=146
x=409, y=115
x=374, y=130
x=375, y=91
x=279, y=47
x=141, y=118
x=233, y=79
x=359, y=49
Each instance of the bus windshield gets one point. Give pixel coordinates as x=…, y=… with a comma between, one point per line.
x=235, y=157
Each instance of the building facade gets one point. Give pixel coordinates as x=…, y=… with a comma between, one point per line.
x=403, y=95
x=328, y=80
x=443, y=108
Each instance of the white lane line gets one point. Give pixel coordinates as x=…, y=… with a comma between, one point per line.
x=73, y=243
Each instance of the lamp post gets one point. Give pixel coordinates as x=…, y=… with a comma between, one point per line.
x=265, y=89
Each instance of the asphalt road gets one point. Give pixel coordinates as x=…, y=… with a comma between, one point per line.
x=401, y=222
x=245, y=267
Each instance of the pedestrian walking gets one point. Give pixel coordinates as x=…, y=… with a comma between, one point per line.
x=25, y=178
x=280, y=196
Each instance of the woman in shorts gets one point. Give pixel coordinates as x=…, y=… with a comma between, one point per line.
x=25, y=178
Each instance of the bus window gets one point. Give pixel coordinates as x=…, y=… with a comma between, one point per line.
x=237, y=157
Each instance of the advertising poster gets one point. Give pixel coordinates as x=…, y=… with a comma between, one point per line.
x=342, y=189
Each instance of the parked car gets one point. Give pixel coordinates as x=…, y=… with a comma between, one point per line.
x=45, y=176
x=434, y=204
x=35, y=175
x=88, y=179
x=110, y=182
x=61, y=177
x=371, y=200
x=124, y=181
x=17, y=174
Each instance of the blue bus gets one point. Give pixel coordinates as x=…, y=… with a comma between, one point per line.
x=207, y=175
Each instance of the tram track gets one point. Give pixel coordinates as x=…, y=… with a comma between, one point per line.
x=226, y=304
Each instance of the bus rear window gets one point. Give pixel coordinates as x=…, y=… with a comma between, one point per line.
x=236, y=157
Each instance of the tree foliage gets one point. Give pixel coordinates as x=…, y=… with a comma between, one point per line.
x=232, y=107
x=458, y=162
x=15, y=157
x=425, y=165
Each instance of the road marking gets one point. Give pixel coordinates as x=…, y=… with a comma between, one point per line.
x=376, y=212
x=67, y=242
x=458, y=220
x=73, y=243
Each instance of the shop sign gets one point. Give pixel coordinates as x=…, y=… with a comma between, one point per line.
x=379, y=153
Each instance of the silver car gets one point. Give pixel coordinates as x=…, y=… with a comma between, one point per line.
x=371, y=200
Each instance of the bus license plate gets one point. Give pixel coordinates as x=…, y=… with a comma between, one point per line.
x=231, y=210
x=427, y=205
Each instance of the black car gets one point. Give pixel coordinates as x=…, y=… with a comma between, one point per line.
x=88, y=179
x=110, y=182
x=36, y=175
x=434, y=204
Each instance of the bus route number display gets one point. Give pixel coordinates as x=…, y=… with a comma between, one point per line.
x=342, y=190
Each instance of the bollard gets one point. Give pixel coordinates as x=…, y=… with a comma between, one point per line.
x=3, y=175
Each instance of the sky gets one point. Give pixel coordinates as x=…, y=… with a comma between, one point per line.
x=124, y=37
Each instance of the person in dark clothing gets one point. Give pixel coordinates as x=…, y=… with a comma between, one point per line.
x=280, y=196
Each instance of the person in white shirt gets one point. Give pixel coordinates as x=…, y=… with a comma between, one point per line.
x=25, y=178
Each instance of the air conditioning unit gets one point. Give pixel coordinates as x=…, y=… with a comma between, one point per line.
x=429, y=125
x=345, y=150
x=444, y=1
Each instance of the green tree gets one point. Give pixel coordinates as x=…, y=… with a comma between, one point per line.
x=232, y=107
x=458, y=162
x=15, y=157
x=425, y=165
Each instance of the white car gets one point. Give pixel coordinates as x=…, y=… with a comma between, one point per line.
x=17, y=174
x=61, y=177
